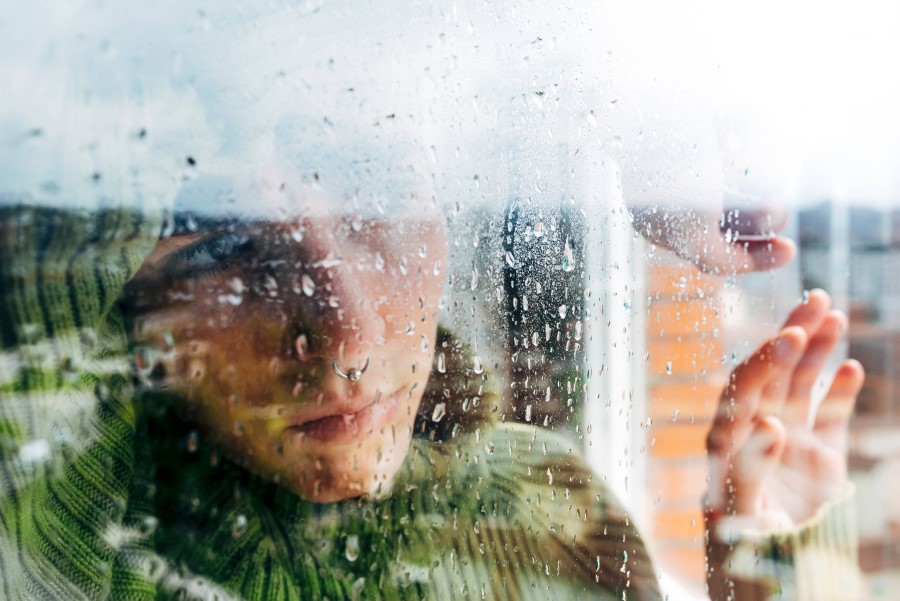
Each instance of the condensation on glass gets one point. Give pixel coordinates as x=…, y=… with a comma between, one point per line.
x=438, y=301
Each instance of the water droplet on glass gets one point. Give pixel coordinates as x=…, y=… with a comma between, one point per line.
x=193, y=441
x=510, y=259
x=477, y=367
x=351, y=550
x=592, y=119
x=538, y=229
x=805, y=296
x=729, y=236
x=535, y=339
x=301, y=345
x=239, y=526
x=474, y=283
x=148, y=525
x=307, y=285
x=578, y=330
x=440, y=410
x=669, y=367
x=528, y=413
x=334, y=302
x=568, y=261
x=441, y=364
x=379, y=261
x=296, y=232
x=424, y=344
x=402, y=265
x=562, y=311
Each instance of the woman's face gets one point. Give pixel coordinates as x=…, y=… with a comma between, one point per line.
x=259, y=314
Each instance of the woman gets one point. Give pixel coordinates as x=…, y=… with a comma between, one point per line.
x=302, y=428
x=309, y=432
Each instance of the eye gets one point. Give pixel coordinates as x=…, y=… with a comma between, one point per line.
x=208, y=257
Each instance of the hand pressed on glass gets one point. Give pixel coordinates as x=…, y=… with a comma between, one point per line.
x=718, y=242
x=769, y=468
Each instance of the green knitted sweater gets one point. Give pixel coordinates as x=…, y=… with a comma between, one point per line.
x=102, y=497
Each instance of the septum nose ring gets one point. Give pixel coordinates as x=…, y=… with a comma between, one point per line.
x=353, y=374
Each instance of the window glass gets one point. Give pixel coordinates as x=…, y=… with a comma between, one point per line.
x=310, y=300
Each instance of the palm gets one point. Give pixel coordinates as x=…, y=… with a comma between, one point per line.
x=768, y=466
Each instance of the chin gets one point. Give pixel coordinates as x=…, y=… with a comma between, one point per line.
x=366, y=469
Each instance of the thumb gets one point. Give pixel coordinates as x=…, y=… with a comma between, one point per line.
x=755, y=463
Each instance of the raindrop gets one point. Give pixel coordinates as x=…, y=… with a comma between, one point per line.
x=193, y=441
x=379, y=261
x=301, y=345
x=528, y=413
x=440, y=410
x=296, y=231
x=535, y=339
x=424, y=344
x=307, y=285
x=351, y=550
x=562, y=311
x=236, y=285
x=474, y=283
x=510, y=259
x=239, y=527
x=148, y=525
x=230, y=299
x=568, y=262
x=538, y=229
x=805, y=296
x=477, y=367
x=669, y=367
x=441, y=363
x=578, y=328
x=334, y=302
x=402, y=265
x=729, y=236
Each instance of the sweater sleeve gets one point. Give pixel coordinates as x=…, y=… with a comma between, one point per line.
x=816, y=562
x=66, y=416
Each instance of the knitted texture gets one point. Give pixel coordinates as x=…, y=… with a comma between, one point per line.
x=66, y=417
x=816, y=562
x=102, y=498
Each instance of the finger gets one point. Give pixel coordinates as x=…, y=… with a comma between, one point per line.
x=739, y=403
x=836, y=408
x=806, y=373
x=754, y=464
x=715, y=254
x=810, y=313
x=809, y=316
x=771, y=254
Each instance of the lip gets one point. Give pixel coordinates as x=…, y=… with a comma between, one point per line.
x=346, y=428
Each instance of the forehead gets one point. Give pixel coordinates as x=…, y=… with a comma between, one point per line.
x=323, y=189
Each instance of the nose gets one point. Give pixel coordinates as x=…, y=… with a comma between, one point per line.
x=353, y=325
x=336, y=313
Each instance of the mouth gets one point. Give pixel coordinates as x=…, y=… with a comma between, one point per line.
x=349, y=427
